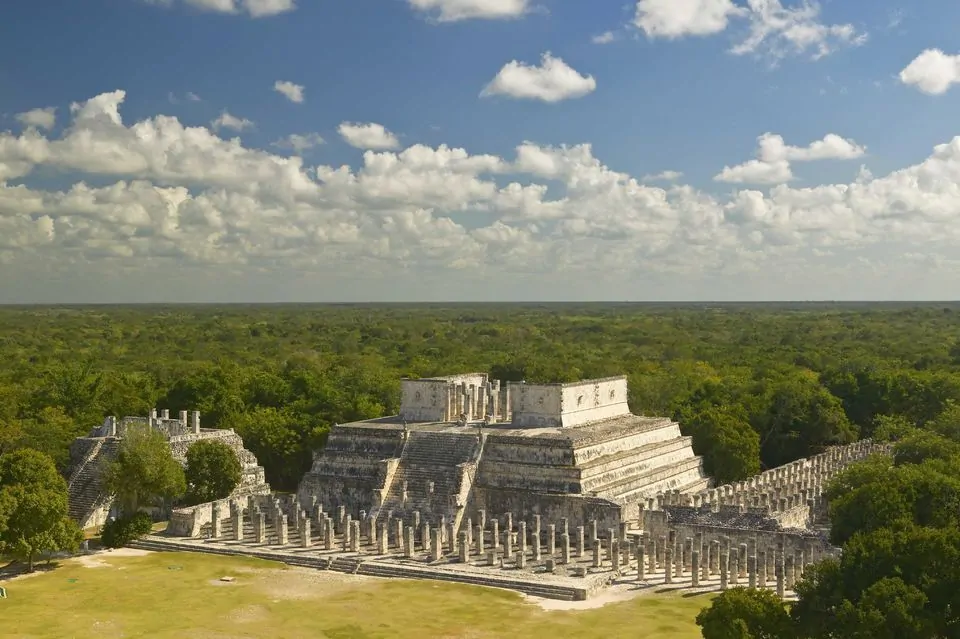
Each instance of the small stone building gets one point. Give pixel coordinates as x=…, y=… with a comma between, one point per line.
x=463, y=443
x=90, y=505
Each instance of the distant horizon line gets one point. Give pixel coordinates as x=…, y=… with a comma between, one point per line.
x=487, y=303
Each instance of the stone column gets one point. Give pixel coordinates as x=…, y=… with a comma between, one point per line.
x=451, y=533
x=436, y=545
x=593, y=532
x=478, y=539
x=522, y=538
x=355, y=536
x=695, y=568
x=260, y=527
x=372, y=532
x=653, y=556
x=464, y=548
x=640, y=567
x=237, y=522
x=482, y=518
x=495, y=533
x=536, y=547
x=742, y=555
x=215, y=522
x=282, y=530
x=781, y=585
x=565, y=548
x=305, y=540
x=789, y=573
x=668, y=565
x=615, y=554
x=469, y=531
x=425, y=536
x=762, y=569
x=596, y=555
x=551, y=540
x=580, y=544
x=535, y=527
x=714, y=557
x=724, y=570
x=408, y=547
x=752, y=571
x=398, y=535
x=507, y=545
x=521, y=560
x=734, y=566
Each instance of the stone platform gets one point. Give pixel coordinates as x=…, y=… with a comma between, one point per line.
x=462, y=444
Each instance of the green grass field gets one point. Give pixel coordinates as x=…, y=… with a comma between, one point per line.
x=181, y=595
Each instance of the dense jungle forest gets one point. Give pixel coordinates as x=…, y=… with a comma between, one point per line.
x=756, y=385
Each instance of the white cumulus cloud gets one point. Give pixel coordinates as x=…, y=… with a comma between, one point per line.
x=293, y=92
x=773, y=30
x=457, y=10
x=368, y=136
x=299, y=142
x=43, y=118
x=932, y=72
x=553, y=81
x=774, y=156
x=228, y=121
x=252, y=8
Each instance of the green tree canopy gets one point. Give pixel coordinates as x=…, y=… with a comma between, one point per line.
x=144, y=471
x=33, y=507
x=213, y=471
x=742, y=613
x=729, y=446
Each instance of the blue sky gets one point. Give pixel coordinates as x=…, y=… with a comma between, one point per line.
x=682, y=103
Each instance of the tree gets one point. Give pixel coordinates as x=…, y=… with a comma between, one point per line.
x=742, y=613
x=729, y=446
x=144, y=471
x=33, y=507
x=213, y=471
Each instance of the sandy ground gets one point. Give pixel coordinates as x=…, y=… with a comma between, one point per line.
x=611, y=594
x=96, y=560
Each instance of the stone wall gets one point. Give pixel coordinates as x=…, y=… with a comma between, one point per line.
x=593, y=400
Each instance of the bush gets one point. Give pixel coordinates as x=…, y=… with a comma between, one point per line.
x=120, y=532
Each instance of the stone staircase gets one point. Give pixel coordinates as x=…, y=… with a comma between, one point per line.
x=85, y=490
x=436, y=469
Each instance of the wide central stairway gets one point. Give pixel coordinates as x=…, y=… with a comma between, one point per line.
x=435, y=472
x=85, y=489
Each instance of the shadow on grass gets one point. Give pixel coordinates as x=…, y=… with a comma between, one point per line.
x=17, y=568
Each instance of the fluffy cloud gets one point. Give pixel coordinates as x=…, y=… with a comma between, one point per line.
x=552, y=81
x=456, y=10
x=227, y=121
x=253, y=8
x=774, y=156
x=774, y=31
x=293, y=92
x=155, y=192
x=663, y=176
x=41, y=118
x=299, y=142
x=678, y=18
x=368, y=136
x=604, y=38
x=932, y=72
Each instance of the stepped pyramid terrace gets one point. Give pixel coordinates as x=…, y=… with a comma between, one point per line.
x=463, y=443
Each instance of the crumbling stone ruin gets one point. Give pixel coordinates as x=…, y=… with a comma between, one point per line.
x=90, y=505
x=555, y=490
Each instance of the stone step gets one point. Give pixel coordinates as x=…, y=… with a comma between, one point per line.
x=666, y=457
x=647, y=484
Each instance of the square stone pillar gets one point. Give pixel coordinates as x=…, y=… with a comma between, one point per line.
x=615, y=554
x=451, y=534
x=469, y=530
x=495, y=533
x=724, y=570
x=522, y=538
x=565, y=548
x=237, y=523
x=425, y=536
x=436, y=545
x=383, y=541
x=695, y=569
x=354, y=536
x=215, y=522
x=551, y=540
x=398, y=535
x=734, y=566
x=282, y=531
x=597, y=561
x=668, y=565
x=742, y=557
x=507, y=545
x=408, y=545
x=762, y=569
x=306, y=539
x=593, y=532
x=640, y=567
x=260, y=527
x=752, y=571
x=536, y=525
x=580, y=539
x=508, y=524
x=464, y=548
x=652, y=560
x=478, y=539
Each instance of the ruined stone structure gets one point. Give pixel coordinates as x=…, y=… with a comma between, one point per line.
x=670, y=544
x=463, y=443
x=554, y=490
x=90, y=505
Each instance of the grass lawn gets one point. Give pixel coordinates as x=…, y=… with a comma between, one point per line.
x=181, y=595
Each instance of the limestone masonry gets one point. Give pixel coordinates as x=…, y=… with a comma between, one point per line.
x=91, y=506
x=555, y=490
